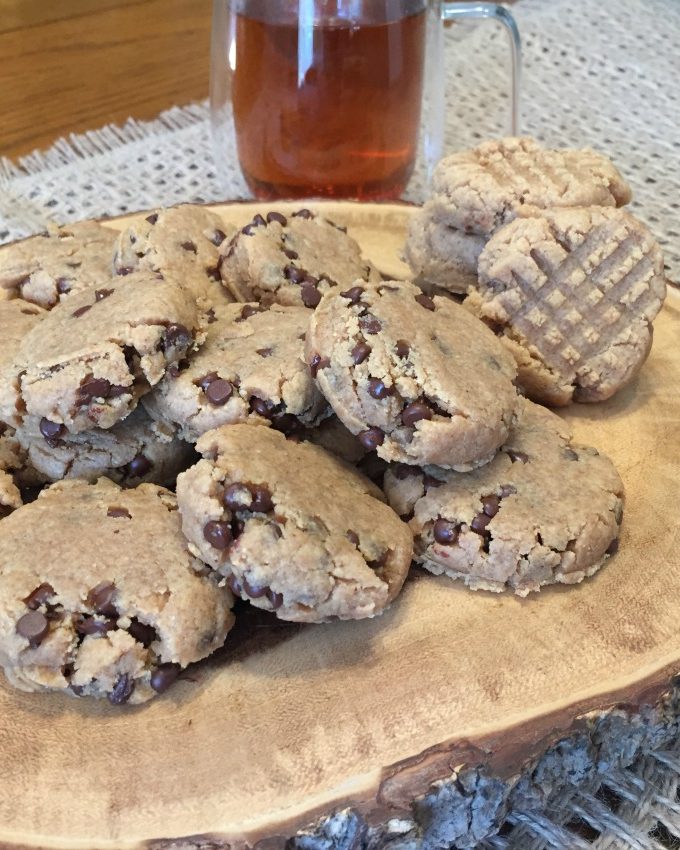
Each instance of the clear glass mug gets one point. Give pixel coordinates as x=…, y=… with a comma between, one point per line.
x=335, y=98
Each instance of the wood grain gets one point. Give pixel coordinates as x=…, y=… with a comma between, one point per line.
x=289, y=722
x=76, y=65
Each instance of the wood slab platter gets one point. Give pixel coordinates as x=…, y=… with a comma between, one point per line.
x=288, y=723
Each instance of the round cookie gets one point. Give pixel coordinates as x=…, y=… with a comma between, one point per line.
x=180, y=242
x=88, y=361
x=17, y=318
x=103, y=627
x=572, y=294
x=132, y=452
x=543, y=511
x=480, y=189
x=251, y=368
x=291, y=260
x=293, y=529
x=440, y=255
x=47, y=268
x=416, y=378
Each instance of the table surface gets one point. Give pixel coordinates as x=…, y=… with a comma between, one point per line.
x=76, y=65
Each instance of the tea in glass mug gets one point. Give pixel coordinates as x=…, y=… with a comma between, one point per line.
x=334, y=98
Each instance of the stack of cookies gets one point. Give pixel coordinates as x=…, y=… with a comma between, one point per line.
x=256, y=414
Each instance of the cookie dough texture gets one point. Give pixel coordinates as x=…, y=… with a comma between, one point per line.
x=416, y=378
x=17, y=318
x=572, y=294
x=291, y=260
x=440, y=256
x=543, y=511
x=250, y=369
x=48, y=268
x=478, y=190
x=182, y=243
x=292, y=529
x=120, y=625
x=132, y=452
x=88, y=361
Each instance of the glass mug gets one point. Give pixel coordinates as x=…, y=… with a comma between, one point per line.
x=334, y=98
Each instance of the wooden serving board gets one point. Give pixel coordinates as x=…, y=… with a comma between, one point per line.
x=287, y=722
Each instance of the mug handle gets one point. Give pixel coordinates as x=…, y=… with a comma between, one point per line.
x=452, y=10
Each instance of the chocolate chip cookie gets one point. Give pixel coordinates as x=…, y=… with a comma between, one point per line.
x=47, y=268
x=291, y=260
x=442, y=256
x=121, y=625
x=292, y=529
x=480, y=189
x=250, y=369
x=17, y=318
x=182, y=243
x=572, y=294
x=416, y=378
x=544, y=510
x=133, y=451
x=90, y=359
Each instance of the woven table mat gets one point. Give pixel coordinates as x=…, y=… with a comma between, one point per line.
x=599, y=73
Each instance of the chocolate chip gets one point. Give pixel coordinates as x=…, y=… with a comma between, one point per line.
x=303, y=213
x=276, y=216
x=218, y=534
x=262, y=499
x=117, y=391
x=63, y=285
x=479, y=524
x=206, y=380
x=138, y=466
x=353, y=537
x=218, y=392
x=274, y=599
x=294, y=274
x=86, y=625
x=259, y=221
x=142, y=632
x=92, y=388
x=445, y=532
x=360, y=352
x=491, y=505
x=176, y=336
x=369, y=324
x=39, y=596
x=318, y=362
x=378, y=390
x=371, y=438
x=248, y=311
x=354, y=294
x=81, y=311
x=51, y=431
x=237, y=497
x=190, y=246
x=310, y=295
x=119, y=513
x=379, y=563
x=255, y=591
x=402, y=348
x=570, y=454
x=414, y=412
x=292, y=255
x=122, y=690
x=100, y=598
x=425, y=301
x=516, y=456
x=33, y=626
x=264, y=352
x=124, y=270
x=152, y=219
x=163, y=676
x=262, y=407
x=287, y=424
x=613, y=547
x=100, y=294
x=218, y=237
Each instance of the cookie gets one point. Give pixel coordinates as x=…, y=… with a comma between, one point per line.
x=17, y=318
x=418, y=379
x=291, y=260
x=572, y=294
x=10, y=495
x=250, y=369
x=291, y=528
x=480, y=189
x=544, y=510
x=120, y=625
x=441, y=256
x=48, y=268
x=132, y=452
x=182, y=243
x=90, y=359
